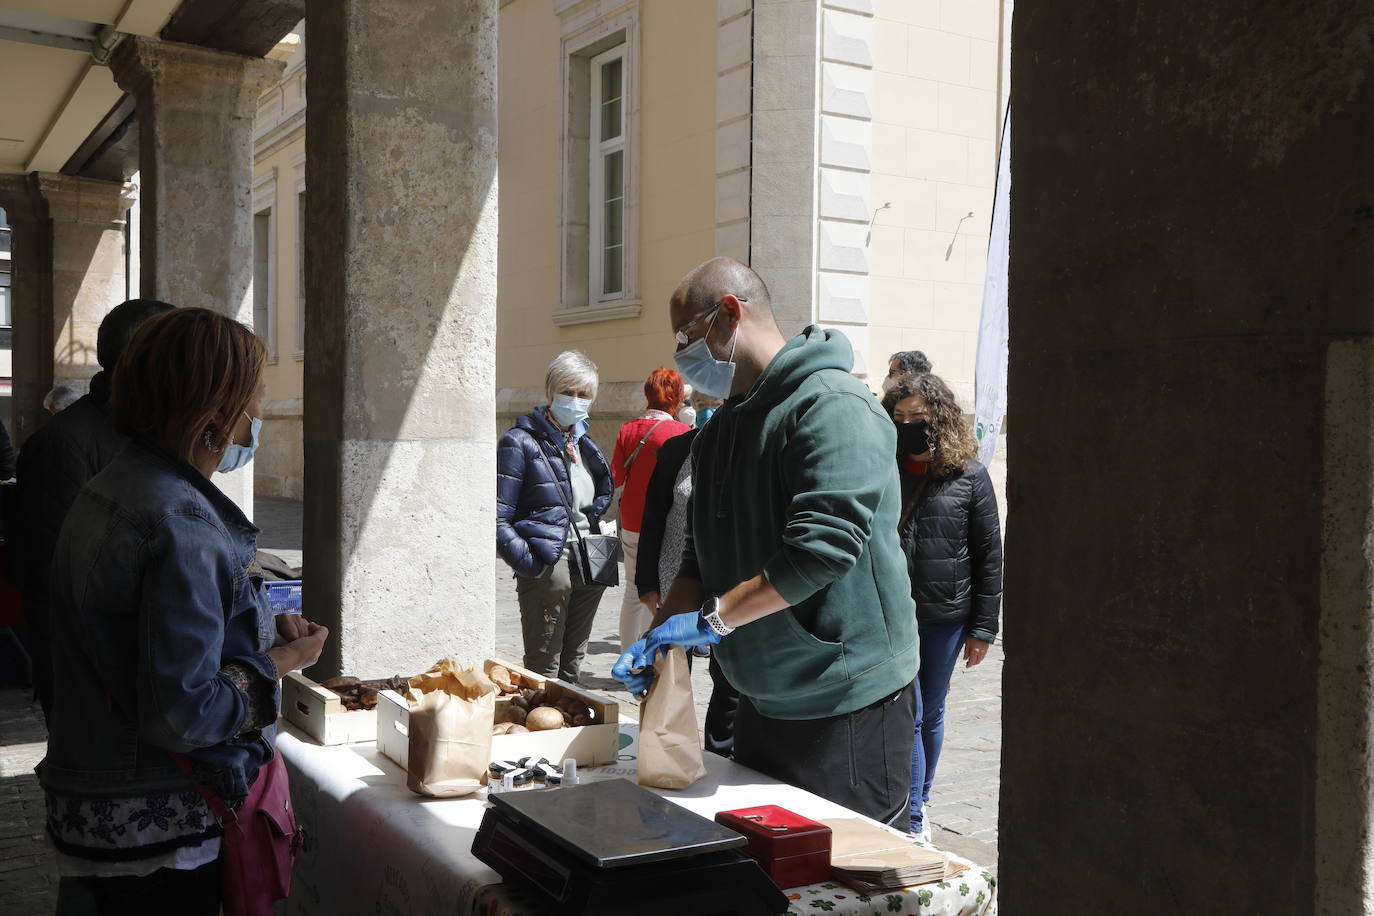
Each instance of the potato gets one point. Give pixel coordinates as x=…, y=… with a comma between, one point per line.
x=501, y=728
x=516, y=716
x=543, y=718
x=583, y=719
x=343, y=681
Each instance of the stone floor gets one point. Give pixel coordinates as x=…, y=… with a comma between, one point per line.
x=963, y=806
x=28, y=880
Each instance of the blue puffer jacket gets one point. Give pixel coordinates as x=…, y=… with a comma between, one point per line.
x=531, y=514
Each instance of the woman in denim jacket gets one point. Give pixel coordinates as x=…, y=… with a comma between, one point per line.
x=163, y=643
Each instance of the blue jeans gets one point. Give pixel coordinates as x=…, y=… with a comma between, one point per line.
x=940, y=644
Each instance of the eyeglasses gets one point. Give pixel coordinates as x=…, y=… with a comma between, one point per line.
x=681, y=335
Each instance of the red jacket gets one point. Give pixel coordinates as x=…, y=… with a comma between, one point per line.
x=632, y=500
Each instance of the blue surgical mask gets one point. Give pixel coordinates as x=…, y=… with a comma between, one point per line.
x=700, y=368
x=704, y=415
x=236, y=456
x=569, y=411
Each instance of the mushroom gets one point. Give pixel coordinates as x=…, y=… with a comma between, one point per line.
x=543, y=718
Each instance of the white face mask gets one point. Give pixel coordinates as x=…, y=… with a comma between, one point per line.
x=236, y=456
x=889, y=383
x=568, y=410
x=699, y=367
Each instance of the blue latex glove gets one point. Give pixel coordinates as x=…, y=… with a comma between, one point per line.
x=634, y=667
x=632, y=671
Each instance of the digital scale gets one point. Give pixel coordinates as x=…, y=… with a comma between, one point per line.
x=611, y=847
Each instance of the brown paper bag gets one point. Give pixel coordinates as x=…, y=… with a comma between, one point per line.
x=451, y=713
x=669, y=744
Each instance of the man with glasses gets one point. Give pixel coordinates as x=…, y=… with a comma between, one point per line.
x=792, y=568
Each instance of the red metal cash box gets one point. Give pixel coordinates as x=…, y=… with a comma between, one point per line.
x=792, y=849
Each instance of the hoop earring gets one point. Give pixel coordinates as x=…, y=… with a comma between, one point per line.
x=209, y=442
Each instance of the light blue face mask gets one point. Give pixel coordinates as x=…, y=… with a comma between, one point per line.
x=569, y=411
x=700, y=368
x=236, y=456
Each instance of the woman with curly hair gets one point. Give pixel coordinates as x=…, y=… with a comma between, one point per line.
x=952, y=539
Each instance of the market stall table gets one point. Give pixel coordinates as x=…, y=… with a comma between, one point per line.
x=373, y=846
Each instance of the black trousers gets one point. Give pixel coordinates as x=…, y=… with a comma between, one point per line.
x=192, y=892
x=720, y=712
x=861, y=759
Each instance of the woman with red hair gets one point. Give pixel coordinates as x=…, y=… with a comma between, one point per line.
x=636, y=453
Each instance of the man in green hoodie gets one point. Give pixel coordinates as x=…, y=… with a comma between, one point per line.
x=793, y=568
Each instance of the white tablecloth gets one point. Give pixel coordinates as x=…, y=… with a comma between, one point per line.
x=376, y=847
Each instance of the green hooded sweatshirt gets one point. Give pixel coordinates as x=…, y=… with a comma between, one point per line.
x=796, y=479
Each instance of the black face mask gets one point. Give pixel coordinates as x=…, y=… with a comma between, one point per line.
x=912, y=438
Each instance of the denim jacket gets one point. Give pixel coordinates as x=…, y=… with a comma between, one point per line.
x=159, y=625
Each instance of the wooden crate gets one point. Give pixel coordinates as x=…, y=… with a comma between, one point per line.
x=320, y=713
x=590, y=745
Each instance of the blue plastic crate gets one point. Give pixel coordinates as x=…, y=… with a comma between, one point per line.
x=284, y=597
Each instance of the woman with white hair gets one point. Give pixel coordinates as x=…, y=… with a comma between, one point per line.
x=60, y=398
x=544, y=464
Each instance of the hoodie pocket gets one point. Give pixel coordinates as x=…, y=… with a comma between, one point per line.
x=804, y=660
x=779, y=658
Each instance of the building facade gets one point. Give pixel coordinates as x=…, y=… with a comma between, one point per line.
x=845, y=149
x=279, y=270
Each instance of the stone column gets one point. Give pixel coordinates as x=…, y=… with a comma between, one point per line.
x=782, y=180
x=87, y=219
x=195, y=120
x=401, y=331
x=68, y=272
x=1187, y=714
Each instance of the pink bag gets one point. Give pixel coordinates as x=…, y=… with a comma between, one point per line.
x=261, y=841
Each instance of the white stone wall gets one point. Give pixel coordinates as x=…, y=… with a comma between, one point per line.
x=936, y=117
x=858, y=104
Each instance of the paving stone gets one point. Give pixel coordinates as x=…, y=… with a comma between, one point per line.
x=19, y=862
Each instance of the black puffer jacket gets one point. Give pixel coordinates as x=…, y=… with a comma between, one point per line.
x=953, y=547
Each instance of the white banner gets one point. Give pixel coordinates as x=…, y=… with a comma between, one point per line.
x=990, y=372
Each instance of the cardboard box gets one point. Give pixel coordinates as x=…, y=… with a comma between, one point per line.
x=590, y=745
x=320, y=713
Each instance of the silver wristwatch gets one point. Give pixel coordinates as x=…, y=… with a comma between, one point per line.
x=711, y=611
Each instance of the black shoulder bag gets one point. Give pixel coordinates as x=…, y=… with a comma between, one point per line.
x=597, y=555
